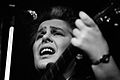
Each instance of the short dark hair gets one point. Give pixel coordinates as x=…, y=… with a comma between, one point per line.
x=57, y=12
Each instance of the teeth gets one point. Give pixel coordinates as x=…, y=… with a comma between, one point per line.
x=46, y=50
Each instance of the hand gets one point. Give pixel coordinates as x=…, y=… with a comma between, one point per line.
x=89, y=38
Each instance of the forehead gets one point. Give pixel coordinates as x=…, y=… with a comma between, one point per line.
x=55, y=23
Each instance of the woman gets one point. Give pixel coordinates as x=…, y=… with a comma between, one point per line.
x=57, y=33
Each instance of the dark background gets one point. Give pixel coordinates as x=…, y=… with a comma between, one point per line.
x=22, y=66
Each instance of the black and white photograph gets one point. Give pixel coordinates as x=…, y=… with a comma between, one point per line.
x=60, y=40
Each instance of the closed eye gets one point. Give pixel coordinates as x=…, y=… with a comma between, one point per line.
x=40, y=34
x=58, y=33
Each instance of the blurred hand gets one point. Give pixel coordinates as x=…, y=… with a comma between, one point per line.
x=88, y=37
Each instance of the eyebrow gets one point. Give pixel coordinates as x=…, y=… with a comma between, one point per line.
x=53, y=27
x=57, y=28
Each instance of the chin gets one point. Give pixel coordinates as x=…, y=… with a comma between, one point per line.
x=42, y=64
x=45, y=57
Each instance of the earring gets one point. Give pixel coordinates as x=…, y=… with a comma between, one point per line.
x=79, y=56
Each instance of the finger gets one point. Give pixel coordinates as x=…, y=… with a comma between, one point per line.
x=80, y=24
x=75, y=42
x=76, y=32
x=86, y=19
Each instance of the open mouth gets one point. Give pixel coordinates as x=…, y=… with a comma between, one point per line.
x=47, y=51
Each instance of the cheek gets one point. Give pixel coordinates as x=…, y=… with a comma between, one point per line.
x=36, y=46
x=62, y=43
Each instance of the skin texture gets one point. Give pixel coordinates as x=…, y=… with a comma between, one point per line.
x=58, y=32
x=89, y=38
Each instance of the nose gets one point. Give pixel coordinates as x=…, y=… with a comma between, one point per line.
x=47, y=38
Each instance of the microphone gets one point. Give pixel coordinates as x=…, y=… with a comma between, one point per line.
x=49, y=65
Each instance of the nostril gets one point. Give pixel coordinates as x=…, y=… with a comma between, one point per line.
x=46, y=40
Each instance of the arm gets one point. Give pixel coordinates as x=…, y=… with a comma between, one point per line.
x=89, y=38
x=106, y=71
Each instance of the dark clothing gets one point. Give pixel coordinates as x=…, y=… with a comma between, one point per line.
x=82, y=69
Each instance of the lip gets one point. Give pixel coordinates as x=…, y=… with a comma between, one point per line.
x=48, y=52
x=46, y=56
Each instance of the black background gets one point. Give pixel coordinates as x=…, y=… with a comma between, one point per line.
x=22, y=66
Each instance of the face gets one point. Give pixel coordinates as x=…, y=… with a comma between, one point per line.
x=53, y=37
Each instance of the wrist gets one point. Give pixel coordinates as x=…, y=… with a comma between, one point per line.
x=105, y=58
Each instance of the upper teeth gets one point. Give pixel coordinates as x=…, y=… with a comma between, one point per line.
x=46, y=50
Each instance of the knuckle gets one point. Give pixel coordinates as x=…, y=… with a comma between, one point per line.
x=75, y=42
